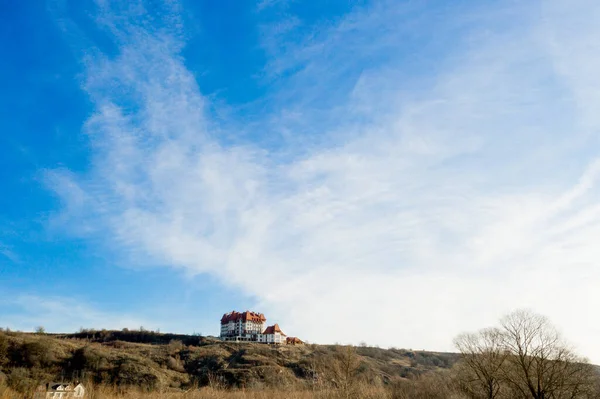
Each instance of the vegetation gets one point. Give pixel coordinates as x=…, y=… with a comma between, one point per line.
x=523, y=358
x=146, y=361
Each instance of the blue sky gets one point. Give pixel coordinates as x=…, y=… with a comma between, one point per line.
x=394, y=172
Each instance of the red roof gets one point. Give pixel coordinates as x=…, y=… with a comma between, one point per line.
x=273, y=329
x=293, y=340
x=243, y=316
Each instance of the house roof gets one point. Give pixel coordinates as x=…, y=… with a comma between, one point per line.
x=273, y=329
x=55, y=386
x=293, y=340
x=243, y=316
x=59, y=387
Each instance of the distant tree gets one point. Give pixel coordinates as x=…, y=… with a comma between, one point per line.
x=479, y=374
x=40, y=330
x=105, y=334
x=345, y=370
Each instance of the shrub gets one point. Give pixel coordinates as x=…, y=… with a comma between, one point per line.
x=32, y=354
x=3, y=349
x=431, y=386
x=20, y=380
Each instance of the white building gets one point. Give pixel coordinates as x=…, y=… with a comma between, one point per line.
x=250, y=327
x=272, y=335
x=245, y=326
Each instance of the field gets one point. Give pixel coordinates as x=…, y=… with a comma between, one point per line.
x=146, y=365
x=136, y=364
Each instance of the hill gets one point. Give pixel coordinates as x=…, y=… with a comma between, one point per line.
x=153, y=361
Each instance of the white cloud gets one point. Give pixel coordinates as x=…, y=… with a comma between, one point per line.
x=448, y=205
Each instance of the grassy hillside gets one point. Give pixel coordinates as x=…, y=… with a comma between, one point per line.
x=155, y=362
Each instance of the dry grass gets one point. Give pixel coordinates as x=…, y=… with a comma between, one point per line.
x=31, y=359
x=7, y=393
x=209, y=393
x=365, y=392
x=223, y=370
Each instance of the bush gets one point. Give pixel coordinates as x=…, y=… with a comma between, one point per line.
x=174, y=363
x=87, y=358
x=174, y=346
x=432, y=386
x=131, y=373
x=3, y=349
x=20, y=380
x=33, y=354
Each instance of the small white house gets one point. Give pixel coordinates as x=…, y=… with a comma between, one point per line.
x=272, y=335
x=60, y=390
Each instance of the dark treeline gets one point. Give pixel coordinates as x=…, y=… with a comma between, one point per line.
x=141, y=336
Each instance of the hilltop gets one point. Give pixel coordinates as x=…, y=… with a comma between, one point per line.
x=154, y=361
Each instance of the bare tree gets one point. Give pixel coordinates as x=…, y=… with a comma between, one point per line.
x=541, y=365
x=479, y=374
x=345, y=370
x=525, y=358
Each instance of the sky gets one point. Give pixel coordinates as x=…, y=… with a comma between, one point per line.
x=387, y=172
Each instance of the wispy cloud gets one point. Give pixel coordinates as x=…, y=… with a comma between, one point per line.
x=265, y=4
x=430, y=207
x=61, y=314
x=8, y=253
